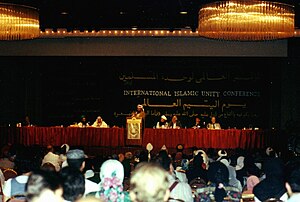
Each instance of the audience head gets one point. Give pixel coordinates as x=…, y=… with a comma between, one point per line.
x=251, y=182
x=180, y=148
x=73, y=183
x=164, y=160
x=111, y=168
x=273, y=167
x=198, y=161
x=43, y=186
x=273, y=185
x=76, y=159
x=64, y=149
x=111, y=175
x=149, y=183
x=26, y=161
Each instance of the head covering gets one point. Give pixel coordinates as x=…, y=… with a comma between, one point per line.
x=239, y=163
x=67, y=147
x=268, y=150
x=140, y=107
x=251, y=182
x=112, y=166
x=76, y=154
x=273, y=186
x=233, y=181
x=269, y=188
x=185, y=164
x=163, y=147
x=273, y=167
x=204, y=156
x=180, y=147
x=164, y=117
x=89, y=174
x=225, y=162
x=128, y=155
x=149, y=147
x=221, y=153
x=111, y=176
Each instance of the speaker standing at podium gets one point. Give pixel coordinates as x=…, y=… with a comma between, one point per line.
x=140, y=114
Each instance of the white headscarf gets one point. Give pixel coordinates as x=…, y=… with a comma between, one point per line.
x=109, y=167
x=239, y=163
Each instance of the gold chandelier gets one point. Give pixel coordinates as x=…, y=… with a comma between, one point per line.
x=246, y=20
x=18, y=22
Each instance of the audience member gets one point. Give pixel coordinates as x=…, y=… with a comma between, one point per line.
x=273, y=185
x=63, y=155
x=73, y=183
x=25, y=163
x=111, y=187
x=52, y=158
x=178, y=190
x=44, y=186
x=149, y=183
x=197, y=170
x=7, y=157
x=293, y=183
x=233, y=181
x=76, y=159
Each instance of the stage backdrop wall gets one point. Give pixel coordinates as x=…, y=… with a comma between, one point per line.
x=58, y=90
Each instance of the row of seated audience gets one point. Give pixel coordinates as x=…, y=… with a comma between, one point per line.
x=70, y=175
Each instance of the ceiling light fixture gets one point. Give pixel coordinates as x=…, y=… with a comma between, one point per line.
x=18, y=22
x=246, y=20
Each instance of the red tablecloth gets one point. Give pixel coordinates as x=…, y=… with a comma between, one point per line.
x=115, y=137
x=204, y=138
x=111, y=137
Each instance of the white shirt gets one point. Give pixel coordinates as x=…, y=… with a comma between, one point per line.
x=90, y=187
x=181, y=191
x=98, y=125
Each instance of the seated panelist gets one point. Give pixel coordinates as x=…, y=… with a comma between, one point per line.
x=213, y=125
x=99, y=123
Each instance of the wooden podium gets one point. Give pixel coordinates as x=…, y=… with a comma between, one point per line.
x=134, y=131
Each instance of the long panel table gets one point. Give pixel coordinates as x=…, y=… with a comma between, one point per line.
x=115, y=137
x=56, y=136
x=203, y=138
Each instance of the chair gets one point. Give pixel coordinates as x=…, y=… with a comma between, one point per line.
x=197, y=183
x=17, y=198
x=9, y=173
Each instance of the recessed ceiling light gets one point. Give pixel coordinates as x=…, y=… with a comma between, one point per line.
x=64, y=13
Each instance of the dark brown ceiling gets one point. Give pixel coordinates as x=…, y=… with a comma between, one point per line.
x=123, y=14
